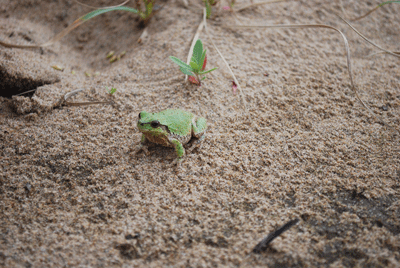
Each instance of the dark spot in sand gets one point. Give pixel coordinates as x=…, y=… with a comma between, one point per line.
x=128, y=251
x=15, y=83
x=130, y=237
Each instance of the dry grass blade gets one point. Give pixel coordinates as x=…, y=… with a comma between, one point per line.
x=363, y=16
x=226, y=63
x=82, y=4
x=25, y=92
x=196, y=36
x=75, y=24
x=346, y=43
x=374, y=9
x=65, y=101
x=256, y=4
x=396, y=54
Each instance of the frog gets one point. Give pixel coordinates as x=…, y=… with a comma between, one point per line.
x=171, y=128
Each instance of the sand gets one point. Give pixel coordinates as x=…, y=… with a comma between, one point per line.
x=73, y=194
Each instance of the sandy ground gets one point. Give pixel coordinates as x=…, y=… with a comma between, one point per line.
x=73, y=194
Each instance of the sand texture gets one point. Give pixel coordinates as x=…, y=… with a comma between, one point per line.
x=73, y=194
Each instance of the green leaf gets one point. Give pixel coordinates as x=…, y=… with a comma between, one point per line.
x=180, y=63
x=186, y=71
x=198, y=52
x=149, y=8
x=194, y=66
x=208, y=9
x=203, y=78
x=203, y=56
x=205, y=72
x=97, y=12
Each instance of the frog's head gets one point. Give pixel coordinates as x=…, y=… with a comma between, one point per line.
x=148, y=123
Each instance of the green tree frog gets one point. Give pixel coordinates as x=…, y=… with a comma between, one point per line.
x=171, y=128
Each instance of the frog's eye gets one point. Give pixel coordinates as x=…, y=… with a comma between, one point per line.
x=140, y=116
x=154, y=124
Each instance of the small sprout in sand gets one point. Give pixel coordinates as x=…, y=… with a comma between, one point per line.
x=197, y=64
x=111, y=91
x=57, y=68
x=115, y=58
x=96, y=74
x=73, y=72
x=88, y=74
x=110, y=54
x=147, y=14
x=234, y=87
x=230, y=7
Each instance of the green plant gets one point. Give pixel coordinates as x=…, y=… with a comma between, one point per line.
x=196, y=68
x=111, y=91
x=147, y=13
x=208, y=4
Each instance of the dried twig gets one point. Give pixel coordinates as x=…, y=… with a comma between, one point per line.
x=263, y=245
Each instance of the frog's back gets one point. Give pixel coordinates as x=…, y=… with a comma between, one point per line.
x=178, y=121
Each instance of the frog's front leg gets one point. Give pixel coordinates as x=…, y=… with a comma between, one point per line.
x=198, y=131
x=142, y=146
x=180, y=151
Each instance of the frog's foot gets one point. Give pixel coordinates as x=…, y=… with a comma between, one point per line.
x=177, y=162
x=197, y=143
x=140, y=148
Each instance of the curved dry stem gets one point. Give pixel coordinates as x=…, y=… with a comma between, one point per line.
x=25, y=92
x=257, y=4
x=368, y=41
x=226, y=63
x=366, y=14
x=346, y=43
x=374, y=9
x=82, y=4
